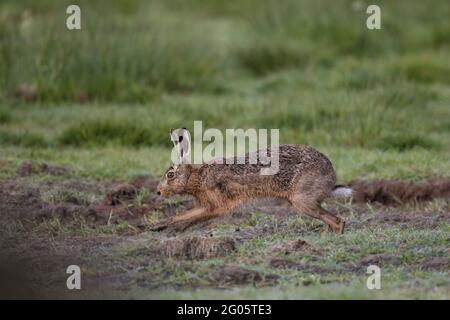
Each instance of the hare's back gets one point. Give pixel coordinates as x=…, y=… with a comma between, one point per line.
x=290, y=157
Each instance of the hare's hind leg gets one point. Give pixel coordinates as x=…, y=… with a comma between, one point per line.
x=335, y=223
x=315, y=210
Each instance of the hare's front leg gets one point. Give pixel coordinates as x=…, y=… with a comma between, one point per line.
x=180, y=220
x=183, y=221
x=194, y=216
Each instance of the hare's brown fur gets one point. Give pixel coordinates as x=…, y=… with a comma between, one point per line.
x=305, y=178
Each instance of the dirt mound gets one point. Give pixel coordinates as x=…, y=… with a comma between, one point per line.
x=121, y=194
x=21, y=202
x=378, y=259
x=281, y=263
x=195, y=247
x=229, y=275
x=65, y=211
x=419, y=220
x=290, y=246
x=285, y=263
x=133, y=202
x=28, y=168
x=17, y=201
x=130, y=203
x=395, y=192
x=145, y=182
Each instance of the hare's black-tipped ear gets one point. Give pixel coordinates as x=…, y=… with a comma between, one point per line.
x=173, y=137
x=182, y=143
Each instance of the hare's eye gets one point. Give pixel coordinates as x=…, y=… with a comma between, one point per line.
x=170, y=174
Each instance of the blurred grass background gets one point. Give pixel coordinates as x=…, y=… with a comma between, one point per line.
x=102, y=98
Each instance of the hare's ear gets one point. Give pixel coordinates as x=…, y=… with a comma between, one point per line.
x=173, y=137
x=181, y=140
x=184, y=141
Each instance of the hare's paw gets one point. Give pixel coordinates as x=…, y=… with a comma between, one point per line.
x=341, y=226
x=337, y=228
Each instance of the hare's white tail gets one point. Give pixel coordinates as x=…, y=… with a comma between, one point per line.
x=340, y=191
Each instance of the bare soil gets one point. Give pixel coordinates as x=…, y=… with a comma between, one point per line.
x=395, y=192
x=198, y=247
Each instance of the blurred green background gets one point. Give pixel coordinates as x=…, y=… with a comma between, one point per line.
x=101, y=99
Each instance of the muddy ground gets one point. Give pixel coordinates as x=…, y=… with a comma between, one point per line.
x=51, y=219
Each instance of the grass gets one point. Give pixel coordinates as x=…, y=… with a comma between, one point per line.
x=385, y=90
x=402, y=279
x=101, y=100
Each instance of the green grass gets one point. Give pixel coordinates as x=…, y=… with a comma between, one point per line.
x=129, y=51
x=294, y=293
x=125, y=163
x=402, y=279
x=325, y=82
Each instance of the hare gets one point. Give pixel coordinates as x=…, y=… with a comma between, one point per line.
x=305, y=178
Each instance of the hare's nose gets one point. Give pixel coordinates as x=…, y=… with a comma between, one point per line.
x=158, y=193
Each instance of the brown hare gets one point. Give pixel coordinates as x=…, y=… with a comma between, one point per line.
x=305, y=178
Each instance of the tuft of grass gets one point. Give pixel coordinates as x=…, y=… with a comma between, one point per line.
x=5, y=116
x=425, y=68
x=264, y=58
x=103, y=132
x=25, y=139
x=405, y=142
x=441, y=35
